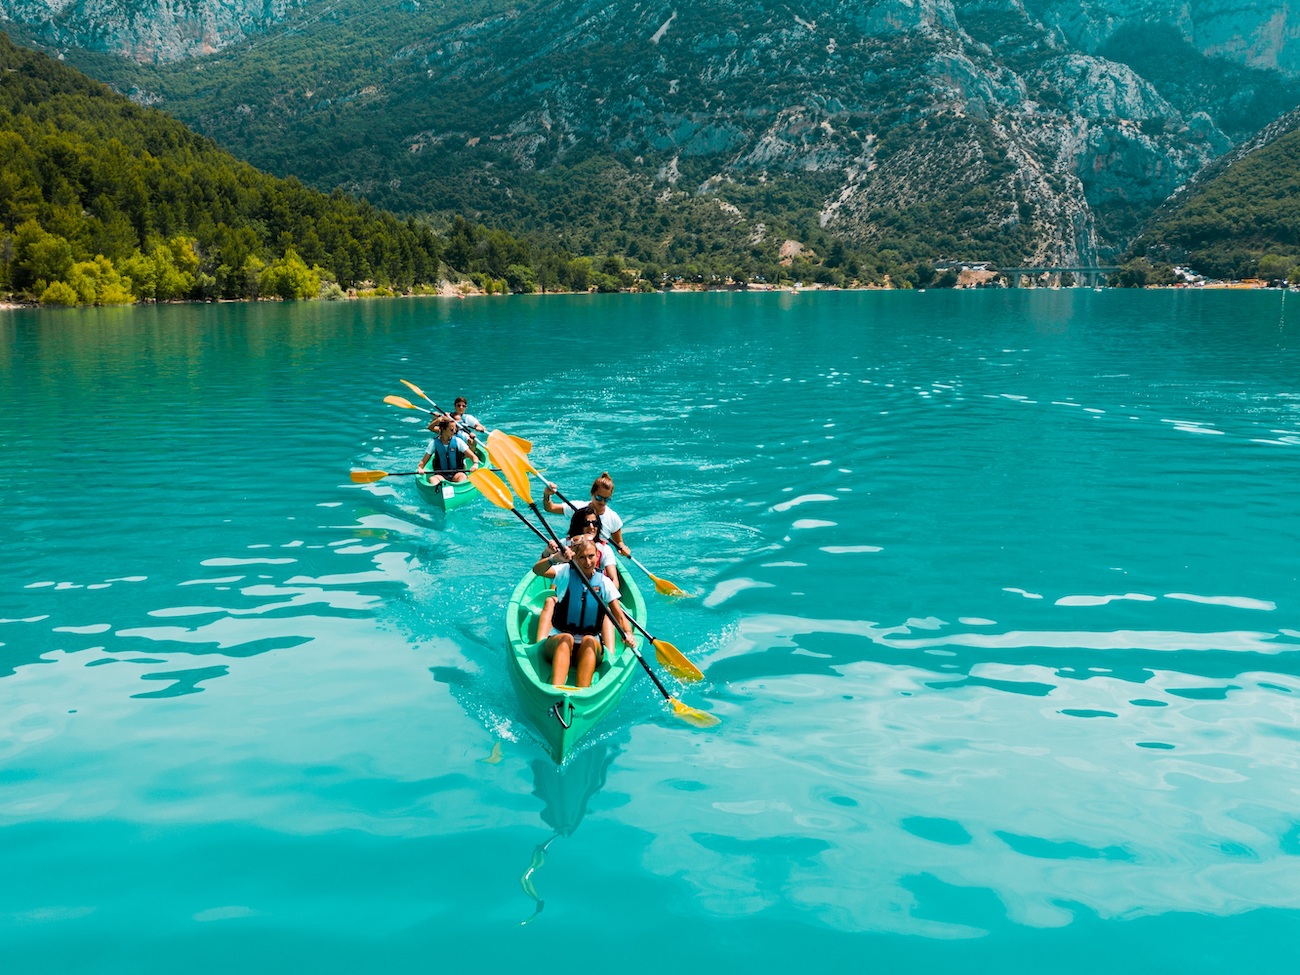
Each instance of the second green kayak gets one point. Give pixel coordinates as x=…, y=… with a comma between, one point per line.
x=447, y=495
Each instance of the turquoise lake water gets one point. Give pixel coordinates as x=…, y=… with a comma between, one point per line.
x=995, y=593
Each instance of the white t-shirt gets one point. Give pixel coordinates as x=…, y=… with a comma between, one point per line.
x=467, y=422
x=609, y=522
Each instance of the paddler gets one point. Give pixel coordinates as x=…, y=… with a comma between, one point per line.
x=578, y=617
x=466, y=425
x=602, y=489
x=585, y=524
x=449, y=451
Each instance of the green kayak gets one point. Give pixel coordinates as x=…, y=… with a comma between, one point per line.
x=451, y=494
x=564, y=714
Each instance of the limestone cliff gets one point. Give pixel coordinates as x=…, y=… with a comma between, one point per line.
x=148, y=30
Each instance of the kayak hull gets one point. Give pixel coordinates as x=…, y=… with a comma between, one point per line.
x=564, y=715
x=449, y=495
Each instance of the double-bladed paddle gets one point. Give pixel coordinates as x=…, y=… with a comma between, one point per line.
x=496, y=491
x=370, y=477
x=520, y=442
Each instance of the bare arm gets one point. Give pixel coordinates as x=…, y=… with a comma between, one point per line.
x=548, y=504
x=545, y=566
x=625, y=628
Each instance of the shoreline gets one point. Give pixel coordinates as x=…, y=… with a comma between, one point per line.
x=473, y=292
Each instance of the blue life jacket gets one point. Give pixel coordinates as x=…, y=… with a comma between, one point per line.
x=583, y=615
x=448, y=457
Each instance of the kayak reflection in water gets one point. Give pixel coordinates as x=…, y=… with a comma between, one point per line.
x=565, y=790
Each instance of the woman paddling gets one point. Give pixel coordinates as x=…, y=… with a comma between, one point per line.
x=577, y=616
x=602, y=489
x=449, y=451
x=585, y=524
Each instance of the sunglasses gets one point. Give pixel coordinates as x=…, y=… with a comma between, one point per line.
x=602, y=500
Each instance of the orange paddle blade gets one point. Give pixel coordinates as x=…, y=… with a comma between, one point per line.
x=701, y=719
x=662, y=586
x=492, y=488
x=368, y=477
x=666, y=588
x=675, y=662
x=502, y=449
x=405, y=404
x=415, y=389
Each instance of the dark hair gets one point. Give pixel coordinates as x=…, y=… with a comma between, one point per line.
x=459, y=400
x=578, y=523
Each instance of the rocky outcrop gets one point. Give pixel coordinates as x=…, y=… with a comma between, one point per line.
x=148, y=30
x=1265, y=35
x=989, y=116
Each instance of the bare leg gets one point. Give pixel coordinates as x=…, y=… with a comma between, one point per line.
x=588, y=654
x=460, y=476
x=545, y=617
x=559, y=649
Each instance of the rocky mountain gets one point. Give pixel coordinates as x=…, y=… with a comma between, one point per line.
x=1256, y=35
x=1023, y=131
x=156, y=30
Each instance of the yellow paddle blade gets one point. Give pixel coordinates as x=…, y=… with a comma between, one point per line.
x=505, y=453
x=405, y=404
x=414, y=388
x=662, y=586
x=368, y=477
x=701, y=719
x=666, y=588
x=492, y=488
x=524, y=445
x=675, y=662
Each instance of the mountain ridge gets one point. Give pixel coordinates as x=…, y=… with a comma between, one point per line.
x=983, y=129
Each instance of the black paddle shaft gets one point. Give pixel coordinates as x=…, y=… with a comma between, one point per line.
x=635, y=652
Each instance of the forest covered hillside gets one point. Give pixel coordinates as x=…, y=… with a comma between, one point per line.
x=102, y=201
x=1242, y=218
x=835, y=141
x=717, y=138
x=105, y=202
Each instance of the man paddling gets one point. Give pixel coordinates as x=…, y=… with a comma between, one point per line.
x=466, y=425
x=576, y=614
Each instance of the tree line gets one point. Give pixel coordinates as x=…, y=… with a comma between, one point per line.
x=103, y=202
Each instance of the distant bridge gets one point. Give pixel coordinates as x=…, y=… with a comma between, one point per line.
x=1089, y=276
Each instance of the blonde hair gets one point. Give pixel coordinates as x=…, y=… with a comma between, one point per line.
x=603, y=483
x=579, y=546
